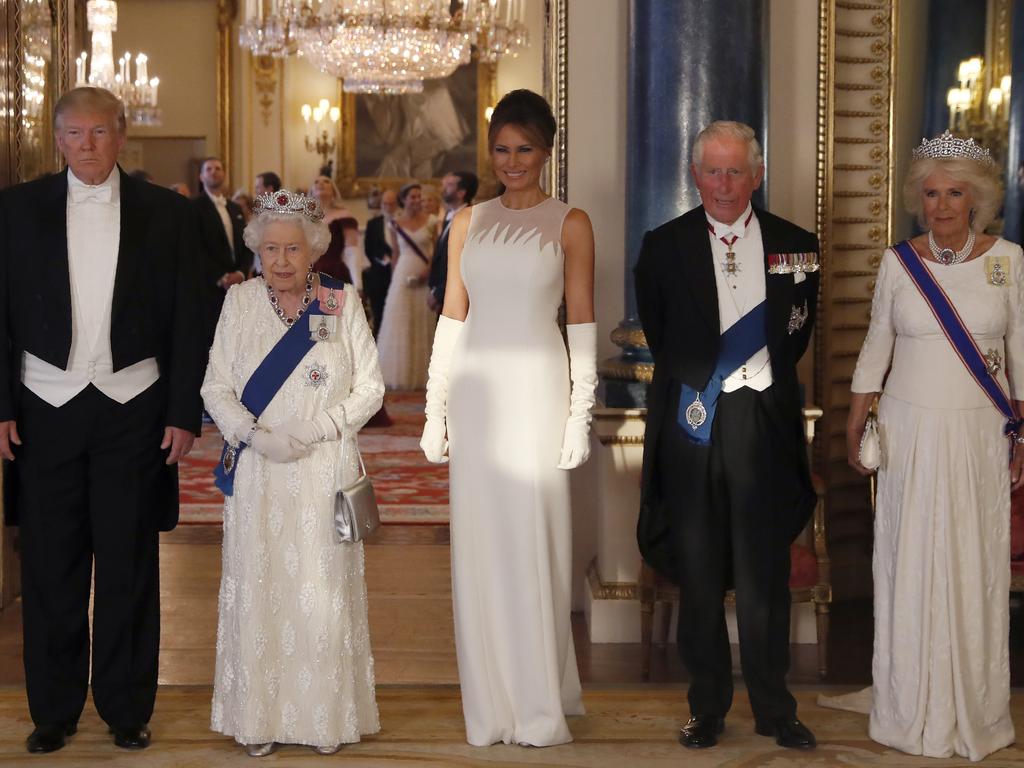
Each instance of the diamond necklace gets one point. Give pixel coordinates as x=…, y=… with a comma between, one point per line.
x=948, y=256
x=306, y=300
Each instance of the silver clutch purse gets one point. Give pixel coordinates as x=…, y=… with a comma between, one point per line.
x=870, y=454
x=355, y=509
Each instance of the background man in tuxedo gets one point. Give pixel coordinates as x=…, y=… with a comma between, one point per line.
x=721, y=515
x=99, y=398
x=457, y=191
x=226, y=260
x=377, y=276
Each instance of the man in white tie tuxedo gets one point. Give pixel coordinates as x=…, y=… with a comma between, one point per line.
x=457, y=191
x=99, y=399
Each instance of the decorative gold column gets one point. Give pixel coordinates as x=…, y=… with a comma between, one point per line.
x=227, y=10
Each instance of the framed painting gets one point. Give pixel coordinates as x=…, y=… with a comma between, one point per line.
x=387, y=141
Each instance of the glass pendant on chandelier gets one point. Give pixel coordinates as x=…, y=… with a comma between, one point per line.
x=139, y=94
x=385, y=46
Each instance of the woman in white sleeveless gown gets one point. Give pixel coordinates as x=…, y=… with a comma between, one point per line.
x=514, y=426
x=940, y=670
x=407, y=329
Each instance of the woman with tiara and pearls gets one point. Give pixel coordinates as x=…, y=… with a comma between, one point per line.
x=292, y=377
x=945, y=351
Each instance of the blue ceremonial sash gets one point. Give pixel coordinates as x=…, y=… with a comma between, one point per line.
x=696, y=411
x=956, y=332
x=267, y=380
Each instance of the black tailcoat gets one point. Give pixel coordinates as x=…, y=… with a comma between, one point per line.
x=677, y=299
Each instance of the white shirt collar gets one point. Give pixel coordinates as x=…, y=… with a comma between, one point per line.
x=217, y=199
x=738, y=227
x=112, y=182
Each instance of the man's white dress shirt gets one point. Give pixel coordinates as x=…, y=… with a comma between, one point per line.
x=741, y=292
x=94, y=237
x=221, y=204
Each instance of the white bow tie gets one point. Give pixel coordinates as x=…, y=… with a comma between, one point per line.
x=85, y=194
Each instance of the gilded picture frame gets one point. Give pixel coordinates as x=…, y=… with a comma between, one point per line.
x=353, y=177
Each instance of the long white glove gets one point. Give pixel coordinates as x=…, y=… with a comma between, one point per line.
x=316, y=430
x=277, y=447
x=583, y=374
x=433, y=442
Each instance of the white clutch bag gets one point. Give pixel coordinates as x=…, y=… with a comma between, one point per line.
x=870, y=453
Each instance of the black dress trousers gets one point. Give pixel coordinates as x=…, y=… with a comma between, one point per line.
x=728, y=504
x=90, y=474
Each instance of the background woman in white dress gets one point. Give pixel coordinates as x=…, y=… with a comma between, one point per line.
x=514, y=426
x=942, y=530
x=293, y=647
x=407, y=330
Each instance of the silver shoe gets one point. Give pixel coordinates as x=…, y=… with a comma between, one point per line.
x=327, y=750
x=260, y=750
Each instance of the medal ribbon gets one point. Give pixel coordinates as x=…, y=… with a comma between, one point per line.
x=739, y=342
x=729, y=243
x=267, y=380
x=956, y=333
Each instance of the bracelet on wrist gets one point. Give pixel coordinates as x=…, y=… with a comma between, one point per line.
x=251, y=433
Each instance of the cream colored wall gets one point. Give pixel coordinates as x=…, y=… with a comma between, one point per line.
x=180, y=39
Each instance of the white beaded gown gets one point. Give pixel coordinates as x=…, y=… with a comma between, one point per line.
x=407, y=328
x=294, y=663
x=510, y=517
x=940, y=669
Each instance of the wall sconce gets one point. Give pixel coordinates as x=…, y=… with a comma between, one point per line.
x=318, y=139
x=979, y=106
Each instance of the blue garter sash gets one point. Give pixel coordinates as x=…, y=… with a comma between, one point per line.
x=956, y=332
x=267, y=380
x=738, y=344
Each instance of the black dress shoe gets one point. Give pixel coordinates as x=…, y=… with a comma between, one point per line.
x=130, y=736
x=49, y=738
x=701, y=731
x=791, y=734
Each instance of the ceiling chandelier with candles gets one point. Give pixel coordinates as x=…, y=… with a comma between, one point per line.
x=139, y=95
x=385, y=46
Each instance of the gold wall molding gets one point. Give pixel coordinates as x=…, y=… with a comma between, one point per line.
x=855, y=199
x=612, y=590
x=227, y=10
x=266, y=72
x=556, y=90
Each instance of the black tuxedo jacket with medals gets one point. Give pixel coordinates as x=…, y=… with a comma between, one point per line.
x=677, y=299
x=156, y=307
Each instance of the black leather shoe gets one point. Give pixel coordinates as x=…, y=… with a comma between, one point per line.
x=49, y=738
x=701, y=731
x=791, y=734
x=131, y=736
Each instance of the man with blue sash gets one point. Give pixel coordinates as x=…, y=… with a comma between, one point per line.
x=727, y=296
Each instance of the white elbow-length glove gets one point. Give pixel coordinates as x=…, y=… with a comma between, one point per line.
x=583, y=375
x=319, y=429
x=434, y=442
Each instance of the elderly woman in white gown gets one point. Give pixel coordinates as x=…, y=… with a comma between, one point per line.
x=294, y=663
x=942, y=529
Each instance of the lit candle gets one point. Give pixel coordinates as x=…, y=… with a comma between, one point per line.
x=1004, y=85
x=141, y=73
x=121, y=63
x=952, y=98
x=307, y=112
x=995, y=98
x=325, y=105
x=335, y=114
x=153, y=85
x=127, y=68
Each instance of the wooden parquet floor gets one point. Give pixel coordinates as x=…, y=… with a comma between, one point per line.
x=625, y=727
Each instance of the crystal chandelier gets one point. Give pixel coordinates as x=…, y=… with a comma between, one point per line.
x=384, y=46
x=35, y=60
x=139, y=95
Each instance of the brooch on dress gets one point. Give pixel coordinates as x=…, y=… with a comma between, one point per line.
x=316, y=374
x=322, y=327
x=993, y=361
x=997, y=268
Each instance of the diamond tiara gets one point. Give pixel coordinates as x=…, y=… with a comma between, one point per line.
x=286, y=201
x=948, y=145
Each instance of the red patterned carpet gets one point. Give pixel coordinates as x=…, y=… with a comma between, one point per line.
x=409, y=489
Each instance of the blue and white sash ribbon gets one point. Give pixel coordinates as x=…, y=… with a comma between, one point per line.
x=265, y=382
x=740, y=341
x=956, y=332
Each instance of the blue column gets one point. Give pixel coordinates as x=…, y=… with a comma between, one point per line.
x=691, y=62
x=1013, y=205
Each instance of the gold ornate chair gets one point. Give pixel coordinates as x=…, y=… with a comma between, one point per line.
x=810, y=579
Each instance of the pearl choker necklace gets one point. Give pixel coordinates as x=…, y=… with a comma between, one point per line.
x=307, y=299
x=948, y=256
